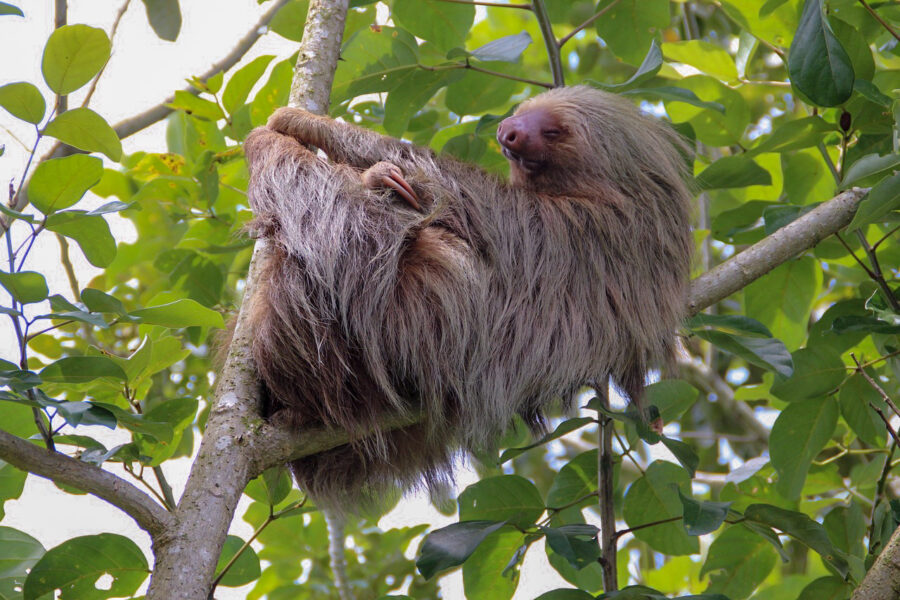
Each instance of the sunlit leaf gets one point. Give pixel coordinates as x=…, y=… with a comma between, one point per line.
x=72, y=56
x=23, y=100
x=86, y=130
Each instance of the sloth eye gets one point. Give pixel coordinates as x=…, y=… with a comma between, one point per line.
x=551, y=134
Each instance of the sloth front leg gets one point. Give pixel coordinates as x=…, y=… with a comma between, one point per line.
x=385, y=174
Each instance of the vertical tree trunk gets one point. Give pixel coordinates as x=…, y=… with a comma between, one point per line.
x=186, y=557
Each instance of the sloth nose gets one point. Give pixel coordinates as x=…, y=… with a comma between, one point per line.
x=511, y=135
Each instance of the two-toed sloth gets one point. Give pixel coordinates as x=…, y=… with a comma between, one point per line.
x=494, y=299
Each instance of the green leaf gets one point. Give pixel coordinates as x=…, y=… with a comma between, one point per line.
x=61, y=182
x=870, y=165
x=826, y=588
x=878, y=203
x=676, y=94
x=23, y=100
x=577, y=543
x=91, y=233
x=506, y=49
x=567, y=426
x=75, y=565
x=86, y=130
x=444, y=24
x=647, y=70
x=164, y=17
x=9, y=9
x=25, y=286
x=12, y=482
x=101, y=302
x=475, y=93
x=684, y=453
x=818, y=64
x=508, y=498
x=872, y=93
x=413, y=91
x=857, y=399
x=817, y=371
x=733, y=172
x=798, y=435
x=768, y=353
x=196, y=106
x=650, y=499
x=486, y=573
x=450, y=546
x=80, y=369
x=792, y=135
x=18, y=554
x=178, y=314
x=846, y=527
x=738, y=324
x=288, y=22
x=244, y=570
x=373, y=62
x=704, y=56
x=672, y=397
x=702, y=517
x=243, y=80
x=739, y=561
x=575, y=480
x=72, y=56
x=631, y=25
x=800, y=527
x=855, y=323
x=565, y=594
x=783, y=298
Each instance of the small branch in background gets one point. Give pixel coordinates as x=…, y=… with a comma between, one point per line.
x=587, y=23
x=165, y=487
x=878, y=18
x=132, y=125
x=507, y=76
x=67, y=267
x=543, y=19
x=646, y=525
x=605, y=490
x=875, y=386
x=879, y=488
x=60, y=18
x=494, y=4
x=112, y=35
x=885, y=237
x=853, y=255
x=875, y=272
x=24, y=455
x=827, y=158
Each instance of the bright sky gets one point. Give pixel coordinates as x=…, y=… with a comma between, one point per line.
x=144, y=70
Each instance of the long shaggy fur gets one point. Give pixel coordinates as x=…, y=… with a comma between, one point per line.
x=501, y=298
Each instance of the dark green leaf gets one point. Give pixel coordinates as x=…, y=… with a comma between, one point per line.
x=72, y=56
x=178, y=314
x=846, y=526
x=738, y=324
x=101, y=302
x=18, y=379
x=476, y=93
x=164, y=17
x=450, y=546
x=576, y=543
x=777, y=217
x=630, y=25
x=18, y=554
x=508, y=498
x=91, y=233
x=506, y=49
x=649, y=68
x=442, y=23
x=870, y=92
x=675, y=94
x=870, y=165
x=826, y=588
x=24, y=101
x=817, y=371
x=59, y=183
x=75, y=565
x=768, y=353
x=650, y=500
x=79, y=369
x=793, y=135
x=733, y=172
x=575, y=480
x=672, y=397
x=243, y=80
x=684, y=453
x=415, y=87
x=739, y=561
x=853, y=323
x=25, y=286
x=798, y=435
x=858, y=400
x=86, y=130
x=881, y=200
x=244, y=570
x=817, y=62
x=565, y=594
x=702, y=517
x=800, y=527
x=9, y=9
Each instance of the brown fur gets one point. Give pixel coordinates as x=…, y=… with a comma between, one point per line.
x=499, y=299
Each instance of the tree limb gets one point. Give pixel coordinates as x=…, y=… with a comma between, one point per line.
x=148, y=514
x=132, y=125
x=882, y=581
x=760, y=258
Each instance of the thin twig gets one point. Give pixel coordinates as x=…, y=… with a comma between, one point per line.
x=622, y=532
x=169, y=497
x=605, y=491
x=507, y=76
x=834, y=172
x=495, y=4
x=875, y=386
x=884, y=23
x=885, y=237
x=67, y=266
x=543, y=19
x=876, y=273
x=112, y=34
x=853, y=254
x=586, y=24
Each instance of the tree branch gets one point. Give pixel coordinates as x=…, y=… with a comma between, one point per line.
x=150, y=516
x=543, y=19
x=760, y=258
x=882, y=581
x=132, y=125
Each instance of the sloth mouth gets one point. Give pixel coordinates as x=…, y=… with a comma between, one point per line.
x=528, y=165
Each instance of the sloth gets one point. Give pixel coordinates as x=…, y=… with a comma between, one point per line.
x=404, y=284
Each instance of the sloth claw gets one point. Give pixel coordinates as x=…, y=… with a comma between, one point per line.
x=388, y=175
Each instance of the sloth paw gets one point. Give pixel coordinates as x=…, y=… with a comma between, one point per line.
x=383, y=175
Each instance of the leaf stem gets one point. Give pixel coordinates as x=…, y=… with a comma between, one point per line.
x=543, y=19
x=587, y=23
x=494, y=4
x=884, y=23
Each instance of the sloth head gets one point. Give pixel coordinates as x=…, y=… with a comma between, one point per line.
x=572, y=139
